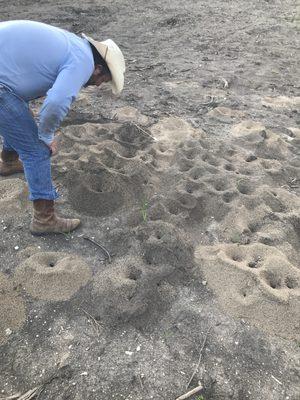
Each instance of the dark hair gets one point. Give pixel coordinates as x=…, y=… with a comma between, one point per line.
x=99, y=60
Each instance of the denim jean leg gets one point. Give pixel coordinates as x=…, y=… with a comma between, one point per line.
x=5, y=145
x=20, y=132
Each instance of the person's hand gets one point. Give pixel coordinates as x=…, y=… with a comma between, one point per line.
x=54, y=146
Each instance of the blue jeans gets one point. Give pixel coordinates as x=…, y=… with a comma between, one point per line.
x=20, y=133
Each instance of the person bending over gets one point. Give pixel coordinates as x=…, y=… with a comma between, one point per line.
x=39, y=60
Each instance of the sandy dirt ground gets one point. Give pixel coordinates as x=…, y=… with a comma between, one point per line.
x=191, y=182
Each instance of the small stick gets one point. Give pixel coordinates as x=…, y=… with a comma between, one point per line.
x=190, y=393
x=92, y=318
x=30, y=394
x=141, y=382
x=212, y=99
x=99, y=245
x=276, y=380
x=225, y=83
x=200, y=356
x=142, y=130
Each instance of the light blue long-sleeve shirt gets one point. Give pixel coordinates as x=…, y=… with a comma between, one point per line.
x=37, y=60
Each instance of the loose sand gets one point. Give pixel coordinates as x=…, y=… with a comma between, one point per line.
x=191, y=181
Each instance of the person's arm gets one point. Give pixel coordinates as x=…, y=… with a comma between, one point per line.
x=59, y=99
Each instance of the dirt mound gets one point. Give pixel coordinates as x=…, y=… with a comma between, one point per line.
x=106, y=167
x=52, y=276
x=126, y=291
x=220, y=174
x=174, y=129
x=12, y=309
x=138, y=288
x=282, y=102
x=254, y=282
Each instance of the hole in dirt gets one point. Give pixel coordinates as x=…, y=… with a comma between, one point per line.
x=245, y=172
x=231, y=152
x=196, y=173
x=237, y=257
x=192, y=143
x=134, y=275
x=129, y=133
x=191, y=187
x=210, y=160
x=174, y=208
x=253, y=264
x=187, y=201
x=272, y=279
x=191, y=154
x=97, y=195
x=228, y=197
x=253, y=227
x=128, y=154
x=251, y=158
x=95, y=184
x=162, y=149
x=51, y=264
x=229, y=167
x=220, y=186
x=244, y=187
x=184, y=166
x=291, y=283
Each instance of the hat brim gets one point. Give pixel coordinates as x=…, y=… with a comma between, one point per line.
x=114, y=59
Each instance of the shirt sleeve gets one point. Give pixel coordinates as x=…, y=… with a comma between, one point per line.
x=59, y=99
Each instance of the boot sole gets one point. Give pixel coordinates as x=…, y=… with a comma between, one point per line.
x=50, y=233
x=11, y=173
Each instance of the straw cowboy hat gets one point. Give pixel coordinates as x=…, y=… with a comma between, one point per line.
x=114, y=59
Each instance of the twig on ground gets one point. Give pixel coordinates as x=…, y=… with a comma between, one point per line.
x=211, y=101
x=30, y=394
x=190, y=393
x=200, y=356
x=97, y=325
x=100, y=246
x=225, y=83
x=142, y=130
x=276, y=380
x=35, y=392
x=141, y=382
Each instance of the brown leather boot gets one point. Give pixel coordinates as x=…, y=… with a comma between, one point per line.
x=10, y=163
x=45, y=220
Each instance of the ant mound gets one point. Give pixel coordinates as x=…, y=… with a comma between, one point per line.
x=12, y=309
x=102, y=194
x=13, y=195
x=173, y=130
x=128, y=114
x=225, y=114
x=281, y=102
x=127, y=291
x=52, y=276
x=256, y=282
x=164, y=245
